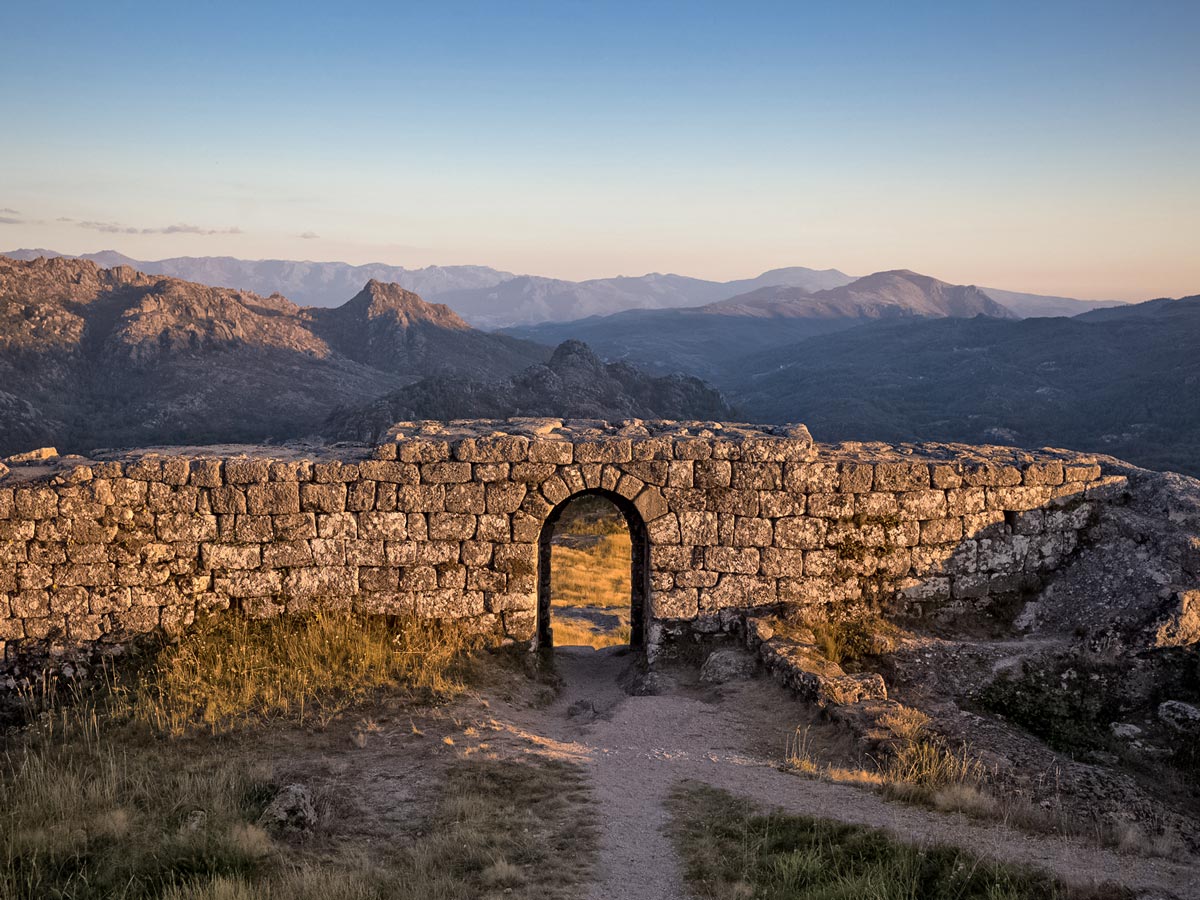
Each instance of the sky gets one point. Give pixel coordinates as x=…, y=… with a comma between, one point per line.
x=1050, y=147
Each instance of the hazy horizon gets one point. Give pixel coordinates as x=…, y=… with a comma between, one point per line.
x=1030, y=147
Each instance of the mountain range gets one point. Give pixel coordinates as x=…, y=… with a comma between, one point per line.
x=708, y=340
x=93, y=357
x=491, y=298
x=1122, y=381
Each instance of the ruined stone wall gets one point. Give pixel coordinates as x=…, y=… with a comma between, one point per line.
x=444, y=521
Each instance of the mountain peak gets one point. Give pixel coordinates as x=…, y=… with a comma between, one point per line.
x=379, y=299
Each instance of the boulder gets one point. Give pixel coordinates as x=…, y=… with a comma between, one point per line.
x=1180, y=716
x=291, y=814
x=32, y=456
x=727, y=665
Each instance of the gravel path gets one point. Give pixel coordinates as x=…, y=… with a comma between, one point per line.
x=639, y=747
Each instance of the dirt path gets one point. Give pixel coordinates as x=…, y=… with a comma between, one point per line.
x=639, y=747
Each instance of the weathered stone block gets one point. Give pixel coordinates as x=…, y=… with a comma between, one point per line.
x=320, y=582
x=389, y=526
x=923, y=504
x=1044, y=473
x=253, y=529
x=1017, y=499
x=287, y=554
x=389, y=472
x=185, y=527
x=326, y=498
x=984, y=474
x=423, y=498
x=273, y=498
x=445, y=472
x=941, y=531
x=798, y=533
x=831, y=506
x=227, y=556
x=35, y=502
x=247, y=471
x=504, y=498
x=451, y=526
x=776, y=563
x=811, y=477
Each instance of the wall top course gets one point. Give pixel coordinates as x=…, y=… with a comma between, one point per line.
x=548, y=440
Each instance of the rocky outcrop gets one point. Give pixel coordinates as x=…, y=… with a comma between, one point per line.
x=93, y=357
x=574, y=383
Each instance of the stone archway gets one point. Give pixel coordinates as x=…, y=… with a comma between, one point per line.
x=639, y=574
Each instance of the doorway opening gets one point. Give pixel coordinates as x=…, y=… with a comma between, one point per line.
x=593, y=573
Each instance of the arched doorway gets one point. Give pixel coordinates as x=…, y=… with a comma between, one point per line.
x=639, y=565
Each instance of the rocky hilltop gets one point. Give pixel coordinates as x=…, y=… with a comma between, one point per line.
x=574, y=383
x=93, y=357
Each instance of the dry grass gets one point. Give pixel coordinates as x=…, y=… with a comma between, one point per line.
x=581, y=633
x=303, y=667
x=129, y=792
x=597, y=575
x=590, y=570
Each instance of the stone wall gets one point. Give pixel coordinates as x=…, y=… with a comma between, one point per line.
x=445, y=521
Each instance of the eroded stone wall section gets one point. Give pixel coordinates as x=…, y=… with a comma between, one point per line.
x=443, y=521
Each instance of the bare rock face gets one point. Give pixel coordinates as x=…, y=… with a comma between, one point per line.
x=727, y=665
x=574, y=383
x=1181, y=717
x=291, y=814
x=93, y=357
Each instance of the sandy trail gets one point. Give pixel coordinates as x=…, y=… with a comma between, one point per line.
x=639, y=747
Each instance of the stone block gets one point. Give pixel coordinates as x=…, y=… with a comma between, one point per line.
x=185, y=527
x=287, y=554
x=753, y=532
x=1017, y=499
x=361, y=496
x=445, y=473
x=504, y=498
x=247, y=471
x=734, y=560
x=922, y=504
x=325, y=498
x=389, y=472
x=422, y=498
x=986, y=474
x=273, y=498
x=335, y=471
x=205, y=473
x=35, y=502
x=560, y=453
x=530, y=473
x=320, y=582
x=230, y=556
x=1044, y=473
x=776, y=563
x=941, y=531
x=451, y=526
x=389, y=526
x=799, y=533
x=831, y=506
x=467, y=498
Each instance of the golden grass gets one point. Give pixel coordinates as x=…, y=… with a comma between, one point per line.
x=305, y=667
x=135, y=792
x=592, y=576
x=591, y=572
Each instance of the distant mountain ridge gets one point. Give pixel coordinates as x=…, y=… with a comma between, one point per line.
x=707, y=340
x=493, y=298
x=1124, y=381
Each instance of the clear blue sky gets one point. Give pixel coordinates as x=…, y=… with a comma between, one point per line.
x=1037, y=146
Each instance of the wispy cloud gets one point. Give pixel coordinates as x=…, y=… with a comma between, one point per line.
x=309, y=235
x=9, y=212
x=118, y=228
x=11, y=220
